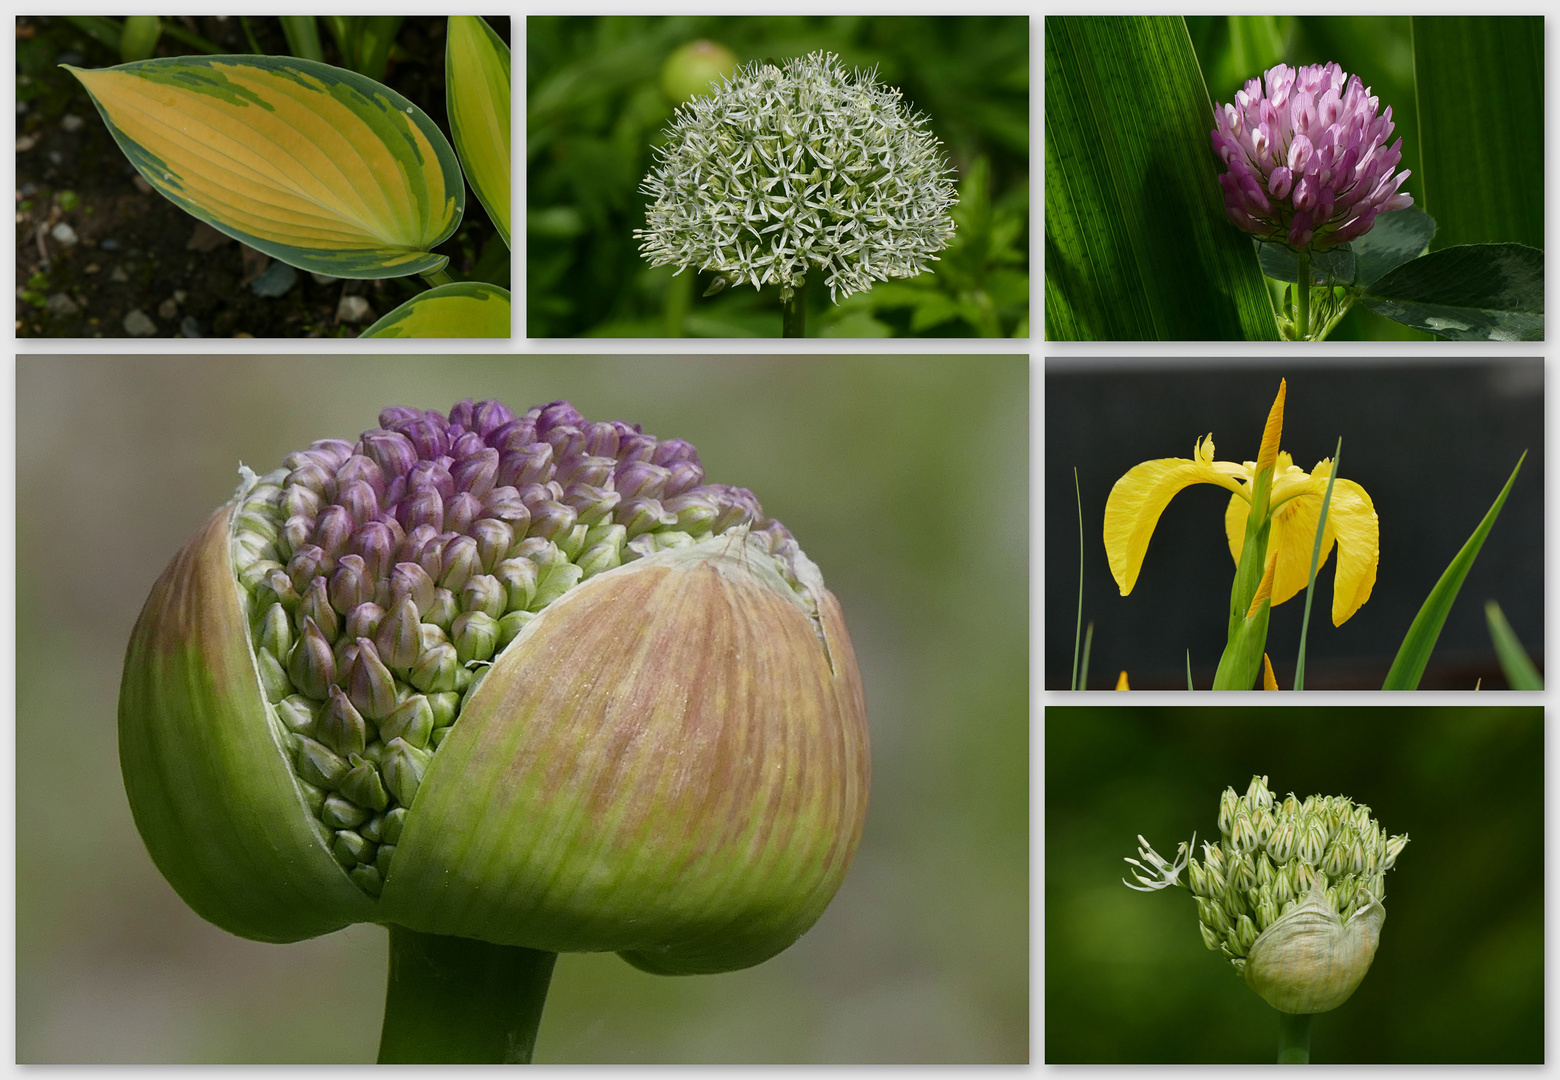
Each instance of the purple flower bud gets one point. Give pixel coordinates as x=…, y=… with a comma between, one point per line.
x=591, y=504
x=483, y=592
x=364, y=620
x=518, y=577
x=476, y=473
x=505, y=504
x=585, y=470
x=671, y=451
x=411, y=580
x=555, y=414
x=308, y=563
x=341, y=726
x=315, y=604
x=461, y=511
x=392, y=451
x=361, y=467
x=375, y=542
x=460, y=562
x=359, y=500
x=641, y=480
x=550, y=519
x=419, y=509
x=332, y=529
x=567, y=441
x=431, y=475
x=300, y=501
x=315, y=477
x=312, y=665
x=636, y=447
x=1306, y=163
x=350, y=585
x=399, y=640
x=685, y=475
x=370, y=684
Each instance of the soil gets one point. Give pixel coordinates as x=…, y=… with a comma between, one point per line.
x=99, y=254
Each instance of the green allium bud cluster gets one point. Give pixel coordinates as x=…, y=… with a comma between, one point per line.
x=381, y=577
x=1269, y=855
x=783, y=170
x=1291, y=895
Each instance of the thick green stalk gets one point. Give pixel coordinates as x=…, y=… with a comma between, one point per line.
x=1294, y=1038
x=795, y=319
x=438, y=277
x=1303, y=297
x=457, y=1001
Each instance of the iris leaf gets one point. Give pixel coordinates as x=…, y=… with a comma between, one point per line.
x=1480, y=87
x=1414, y=653
x=1137, y=244
x=1514, y=662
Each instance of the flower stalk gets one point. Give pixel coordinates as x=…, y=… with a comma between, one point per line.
x=795, y=318
x=1294, y=1038
x=458, y=1001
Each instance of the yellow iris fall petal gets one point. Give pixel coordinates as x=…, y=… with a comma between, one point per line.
x=1138, y=498
x=1297, y=503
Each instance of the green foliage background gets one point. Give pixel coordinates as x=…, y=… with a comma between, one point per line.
x=923, y=956
x=595, y=107
x=1459, y=976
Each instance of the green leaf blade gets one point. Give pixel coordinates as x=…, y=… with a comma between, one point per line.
x=1480, y=87
x=1514, y=662
x=1137, y=243
x=311, y=164
x=1475, y=292
x=462, y=309
x=1409, y=665
x=476, y=74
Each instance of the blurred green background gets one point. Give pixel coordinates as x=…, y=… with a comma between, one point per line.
x=1459, y=976
x=924, y=954
x=596, y=106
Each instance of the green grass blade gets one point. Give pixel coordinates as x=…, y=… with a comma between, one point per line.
x=1414, y=653
x=1514, y=661
x=1078, y=630
x=303, y=36
x=1137, y=244
x=1083, y=673
x=1316, y=558
x=1189, y=685
x=1480, y=88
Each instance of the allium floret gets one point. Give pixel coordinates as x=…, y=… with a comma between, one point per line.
x=1308, y=160
x=785, y=170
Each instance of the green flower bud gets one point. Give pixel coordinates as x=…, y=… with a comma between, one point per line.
x=619, y=768
x=1299, y=920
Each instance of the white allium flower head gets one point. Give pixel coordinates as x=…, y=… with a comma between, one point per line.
x=785, y=170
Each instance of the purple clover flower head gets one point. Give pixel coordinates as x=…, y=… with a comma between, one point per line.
x=399, y=666
x=1308, y=161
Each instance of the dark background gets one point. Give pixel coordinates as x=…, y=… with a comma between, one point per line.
x=1431, y=443
x=1459, y=976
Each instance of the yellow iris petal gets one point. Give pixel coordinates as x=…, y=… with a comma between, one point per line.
x=1138, y=498
x=1351, y=524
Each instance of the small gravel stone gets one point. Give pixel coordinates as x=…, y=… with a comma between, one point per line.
x=141, y=184
x=61, y=305
x=324, y=279
x=25, y=143
x=168, y=309
x=179, y=296
x=65, y=235
x=109, y=244
x=354, y=309
x=189, y=327
x=117, y=274
x=277, y=279
x=138, y=325
x=71, y=122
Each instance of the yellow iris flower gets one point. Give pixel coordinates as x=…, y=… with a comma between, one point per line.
x=1138, y=498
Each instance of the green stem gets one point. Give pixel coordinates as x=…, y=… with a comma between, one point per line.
x=1294, y=1039
x=795, y=323
x=438, y=277
x=457, y=1001
x=1303, y=297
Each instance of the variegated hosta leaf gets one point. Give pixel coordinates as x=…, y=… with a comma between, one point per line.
x=311, y=164
x=462, y=309
x=476, y=75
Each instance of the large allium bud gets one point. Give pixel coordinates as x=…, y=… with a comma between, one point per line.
x=783, y=172
x=1308, y=161
x=1292, y=894
x=523, y=679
